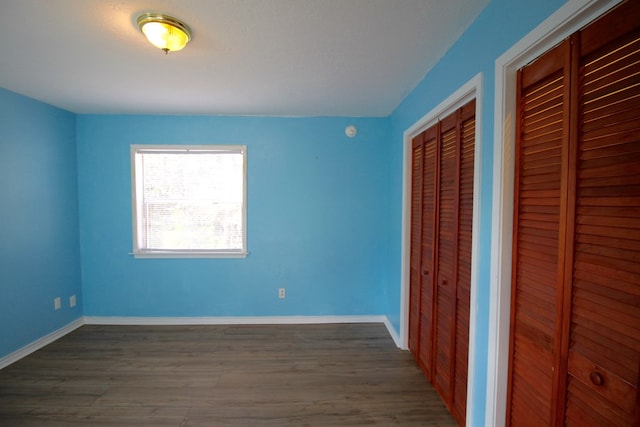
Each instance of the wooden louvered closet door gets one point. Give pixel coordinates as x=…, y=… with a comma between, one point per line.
x=604, y=321
x=415, y=262
x=446, y=252
x=427, y=250
x=575, y=338
x=537, y=205
x=422, y=252
x=462, y=272
x=441, y=218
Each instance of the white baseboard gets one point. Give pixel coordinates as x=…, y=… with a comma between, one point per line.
x=40, y=342
x=394, y=335
x=230, y=320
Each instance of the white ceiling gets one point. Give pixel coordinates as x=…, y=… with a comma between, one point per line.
x=247, y=57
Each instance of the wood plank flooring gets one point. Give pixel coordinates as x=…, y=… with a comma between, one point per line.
x=231, y=375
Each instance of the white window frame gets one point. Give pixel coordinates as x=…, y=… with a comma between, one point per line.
x=136, y=203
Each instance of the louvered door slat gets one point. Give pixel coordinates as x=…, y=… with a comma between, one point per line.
x=614, y=150
x=598, y=119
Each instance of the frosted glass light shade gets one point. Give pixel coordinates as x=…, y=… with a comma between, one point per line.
x=164, y=32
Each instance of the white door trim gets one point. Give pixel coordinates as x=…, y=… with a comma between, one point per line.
x=574, y=15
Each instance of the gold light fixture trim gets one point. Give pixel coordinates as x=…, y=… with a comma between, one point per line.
x=164, y=32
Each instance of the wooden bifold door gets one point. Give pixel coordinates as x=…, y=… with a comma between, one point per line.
x=575, y=298
x=440, y=259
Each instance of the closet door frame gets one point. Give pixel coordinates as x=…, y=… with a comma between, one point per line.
x=565, y=21
x=470, y=90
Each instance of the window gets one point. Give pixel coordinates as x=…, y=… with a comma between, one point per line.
x=189, y=201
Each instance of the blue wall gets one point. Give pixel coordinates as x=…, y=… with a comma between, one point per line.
x=318, y=220
x=39, y=252
x=499, y=26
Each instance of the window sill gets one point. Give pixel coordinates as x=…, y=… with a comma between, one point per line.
x=189, y=254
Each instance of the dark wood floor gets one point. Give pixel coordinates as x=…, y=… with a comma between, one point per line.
x=300, y=375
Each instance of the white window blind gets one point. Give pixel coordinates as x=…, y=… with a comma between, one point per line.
x=189, y=201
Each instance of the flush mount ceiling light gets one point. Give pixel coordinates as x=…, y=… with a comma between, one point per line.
x=164, y=32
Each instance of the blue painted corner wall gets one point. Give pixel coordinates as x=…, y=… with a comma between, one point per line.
x=39, y=245
x=318, y=213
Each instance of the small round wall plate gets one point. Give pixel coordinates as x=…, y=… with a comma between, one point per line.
x=350, y=131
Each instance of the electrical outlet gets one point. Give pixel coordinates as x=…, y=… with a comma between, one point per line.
x=57, y=303
x=72, y=301
x=282, y=293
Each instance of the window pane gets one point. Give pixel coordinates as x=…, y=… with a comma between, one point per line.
x=190, y=200
x=195, y=225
